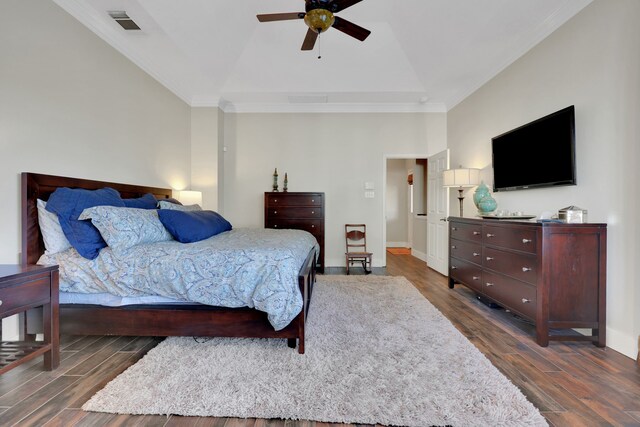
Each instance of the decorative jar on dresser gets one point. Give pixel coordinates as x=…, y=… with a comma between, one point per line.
x=297, y=210
x=550, y=273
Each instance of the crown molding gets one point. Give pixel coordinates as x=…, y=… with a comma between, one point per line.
x=526, y=42
x=95, y=22
x=333, y=108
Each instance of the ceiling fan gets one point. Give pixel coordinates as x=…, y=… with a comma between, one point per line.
x=319, y=16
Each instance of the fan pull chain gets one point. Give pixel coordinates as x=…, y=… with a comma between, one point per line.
x=319, y=52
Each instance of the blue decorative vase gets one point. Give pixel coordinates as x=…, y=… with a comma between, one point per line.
x=481, y=191
x=486, y=205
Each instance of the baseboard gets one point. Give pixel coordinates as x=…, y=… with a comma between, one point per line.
x=397, y=244
x=420, y=255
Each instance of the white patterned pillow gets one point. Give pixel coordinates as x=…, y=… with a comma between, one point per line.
x=163, y=204
x=123, y=228
x=54, y=239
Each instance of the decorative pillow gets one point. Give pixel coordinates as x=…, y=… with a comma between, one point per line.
x=54, y=239
x=123, y=228
x=163, y=204
x=193, y=226
x=68, y=204
x=170, y=200
x=148, y=201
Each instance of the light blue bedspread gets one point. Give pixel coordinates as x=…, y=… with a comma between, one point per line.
x=245, y=267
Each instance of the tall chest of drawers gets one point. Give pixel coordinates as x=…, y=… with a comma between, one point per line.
x=296, y=210
x=553, y=274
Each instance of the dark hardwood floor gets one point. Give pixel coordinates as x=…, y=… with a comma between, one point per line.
x=573, y=384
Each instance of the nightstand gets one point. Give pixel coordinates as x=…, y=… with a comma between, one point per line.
x=23, y=287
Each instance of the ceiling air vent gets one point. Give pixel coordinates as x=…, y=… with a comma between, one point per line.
x=123, y=19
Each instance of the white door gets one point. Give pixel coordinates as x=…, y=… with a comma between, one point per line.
x=438, y=211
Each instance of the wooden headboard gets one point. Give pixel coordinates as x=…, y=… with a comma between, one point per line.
x=37, y=186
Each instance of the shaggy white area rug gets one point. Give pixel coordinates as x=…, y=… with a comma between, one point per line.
x=377, y=351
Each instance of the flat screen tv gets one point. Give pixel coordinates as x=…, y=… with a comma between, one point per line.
x=538, y=154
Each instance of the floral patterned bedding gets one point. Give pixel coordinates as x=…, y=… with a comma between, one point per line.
x=244, y=267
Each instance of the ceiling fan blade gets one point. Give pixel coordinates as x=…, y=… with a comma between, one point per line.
x=351, y=29
x=338, y=5
x=269, y=17
x=309, y=40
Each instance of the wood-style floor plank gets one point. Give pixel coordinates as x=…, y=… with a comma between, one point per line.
x=572, y=384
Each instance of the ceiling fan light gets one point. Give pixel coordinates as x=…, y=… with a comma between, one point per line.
x=319, y=20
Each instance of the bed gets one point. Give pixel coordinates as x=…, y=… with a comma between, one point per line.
x=158, y=319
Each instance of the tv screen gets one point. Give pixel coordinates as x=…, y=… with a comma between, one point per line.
x=538, y=154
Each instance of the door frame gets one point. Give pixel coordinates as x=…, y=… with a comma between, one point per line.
x=386, y=157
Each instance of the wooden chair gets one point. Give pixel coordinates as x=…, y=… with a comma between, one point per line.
x=356, y=240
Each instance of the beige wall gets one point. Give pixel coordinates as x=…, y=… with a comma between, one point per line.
x=333, y=153
x=591, y=62
x=71, y=105
x=204, y=154
x=396, y=203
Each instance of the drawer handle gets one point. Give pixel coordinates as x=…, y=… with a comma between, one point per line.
x=489, y=258
x=490, y=235
x=275, y=226
x=275, y=212
x=525, y=269
x=275, y=200
x=312, y=212
x=526, y=240
x=453, y=267
x=475, y=233
x=313, y=226
x=490, y=284
x=524, y=300
x=0, y=302
x=312, y=201
x=476, y=254
x=454, y=228
x=476, y=277
x=453, y=247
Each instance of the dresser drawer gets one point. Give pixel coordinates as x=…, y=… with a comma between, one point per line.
x=32, y=291
x=520, y=238
x=513, y=294
x=521, y=266
x=466, y=272
x=313, y=226
x=295, y=212
x=288, y=199
x=462, y=231
x=465, y=250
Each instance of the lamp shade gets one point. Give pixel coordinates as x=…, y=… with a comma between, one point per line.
x=461, y=177
x=188, y=197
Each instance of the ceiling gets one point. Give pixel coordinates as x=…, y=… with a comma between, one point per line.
x=422, y=55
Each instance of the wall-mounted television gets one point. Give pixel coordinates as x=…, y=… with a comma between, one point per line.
x=537, y=154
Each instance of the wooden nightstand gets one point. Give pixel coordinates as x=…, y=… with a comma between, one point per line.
x=23, y=287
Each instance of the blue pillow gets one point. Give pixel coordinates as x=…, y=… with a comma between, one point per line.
x=68, y=204
x=193, y=226
x=148, y=201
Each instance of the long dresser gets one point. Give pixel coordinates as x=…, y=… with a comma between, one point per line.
x=296, y=210
x=550, y=273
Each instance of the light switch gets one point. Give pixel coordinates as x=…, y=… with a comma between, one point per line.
x=369, y=194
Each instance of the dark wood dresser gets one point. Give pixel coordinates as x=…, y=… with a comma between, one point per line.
x=300, y=211
x=550, y=273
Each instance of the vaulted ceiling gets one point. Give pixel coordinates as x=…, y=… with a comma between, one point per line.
x=422, y=55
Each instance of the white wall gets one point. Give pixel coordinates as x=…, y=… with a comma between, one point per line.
x=333, y=153
x=71, y=105
x=396, y=204
x=591, y=62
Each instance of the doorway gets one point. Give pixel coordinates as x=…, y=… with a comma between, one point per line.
x=406, y=206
